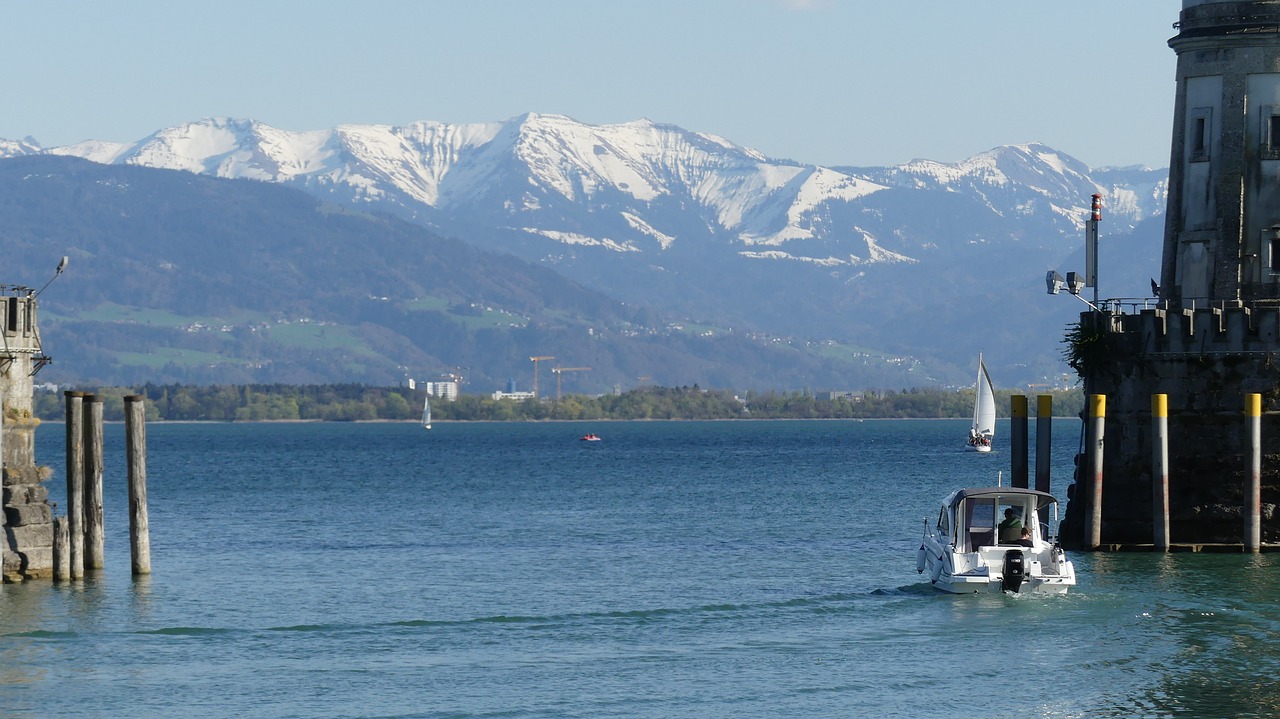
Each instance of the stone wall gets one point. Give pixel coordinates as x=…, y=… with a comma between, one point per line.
x=1205, y=360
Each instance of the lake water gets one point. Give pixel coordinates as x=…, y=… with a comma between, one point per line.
x=673, y=570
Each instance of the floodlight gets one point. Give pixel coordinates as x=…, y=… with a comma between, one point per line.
x=1053, y=281
x=1075, y=282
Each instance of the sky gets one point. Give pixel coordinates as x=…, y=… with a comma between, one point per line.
x=827, y=82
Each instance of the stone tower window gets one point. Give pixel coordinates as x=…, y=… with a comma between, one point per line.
x=1198, y=134
x=1270, y=132
x=1272, y=238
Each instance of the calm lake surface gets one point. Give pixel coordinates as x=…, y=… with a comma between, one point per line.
x=674, y=570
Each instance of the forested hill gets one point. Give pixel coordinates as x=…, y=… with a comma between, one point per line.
x=182, y=278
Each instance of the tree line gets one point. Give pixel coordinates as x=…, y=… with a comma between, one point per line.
x=355, y=402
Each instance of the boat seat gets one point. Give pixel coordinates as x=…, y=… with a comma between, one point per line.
x=978, y=538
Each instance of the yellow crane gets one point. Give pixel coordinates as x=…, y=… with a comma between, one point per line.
x=535, y=361
x=559, y=372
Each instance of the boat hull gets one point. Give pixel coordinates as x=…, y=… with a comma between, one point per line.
x=988, y=585
x=980, y=572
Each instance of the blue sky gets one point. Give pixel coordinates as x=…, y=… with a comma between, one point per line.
x=832, y=82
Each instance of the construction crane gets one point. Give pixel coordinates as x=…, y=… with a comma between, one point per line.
x=559, y=372
x=535, y=361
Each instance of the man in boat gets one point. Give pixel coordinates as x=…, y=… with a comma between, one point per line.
x=1025, y=538
x=1008, y=529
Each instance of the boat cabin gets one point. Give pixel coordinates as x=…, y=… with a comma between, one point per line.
x=995, y=516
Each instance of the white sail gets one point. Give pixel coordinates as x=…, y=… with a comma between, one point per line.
x=984, y=407
x=426, y=412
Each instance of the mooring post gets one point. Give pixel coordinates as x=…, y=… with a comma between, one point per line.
x=1253, y=508
x=1044, y=440
x=1097, y=428
x=1160, y=470
x=75, y=481
x=1018, y=464
x=135, y=429
x=93, y=531
x=61, y=550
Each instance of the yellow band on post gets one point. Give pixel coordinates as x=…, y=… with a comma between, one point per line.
x=1018, y=405
x=1097, y=405
x=1044, y=405
x=1253, y=405
x=1159, y=405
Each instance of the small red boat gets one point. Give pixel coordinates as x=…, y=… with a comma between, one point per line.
x=590, y=437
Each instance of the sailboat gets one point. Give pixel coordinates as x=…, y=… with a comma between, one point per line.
x=984, y=412
x=426, y=412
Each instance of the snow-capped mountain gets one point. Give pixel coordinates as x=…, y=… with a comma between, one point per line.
x=638, y=187
x=1034, y=178
x=688, y=222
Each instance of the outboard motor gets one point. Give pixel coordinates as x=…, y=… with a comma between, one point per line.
x=1013, y=574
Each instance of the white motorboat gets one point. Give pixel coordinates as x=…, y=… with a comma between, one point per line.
x=983, y=429
x=977, y=543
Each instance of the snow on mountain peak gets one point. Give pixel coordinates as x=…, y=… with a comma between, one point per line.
x=635, y=186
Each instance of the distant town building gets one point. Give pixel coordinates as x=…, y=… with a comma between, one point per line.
x=838, y=394
x=516, y=396
x=446, y=390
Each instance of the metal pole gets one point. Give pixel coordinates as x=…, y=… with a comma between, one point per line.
x=1097, y=421
x=1018, y=439
x=1253, y=507
x=1091, y=246
x=1044, y=440
x=1160, y=469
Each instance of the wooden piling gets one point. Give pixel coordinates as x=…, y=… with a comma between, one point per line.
x=1018, y=464
x=61, y=550
x=93, y=530
x=75, y=481
x=1253, y=506
x=1097, y=430
x=1160, y=470
x=1044, y=440
x=135, y=429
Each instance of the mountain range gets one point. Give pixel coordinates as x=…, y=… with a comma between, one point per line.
x=886, y=274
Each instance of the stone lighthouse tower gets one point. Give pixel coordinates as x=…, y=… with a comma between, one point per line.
x=1214, y=336
x=1222, y=233
x=27, y=530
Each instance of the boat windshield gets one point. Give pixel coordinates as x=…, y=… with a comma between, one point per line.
x=991, y=520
